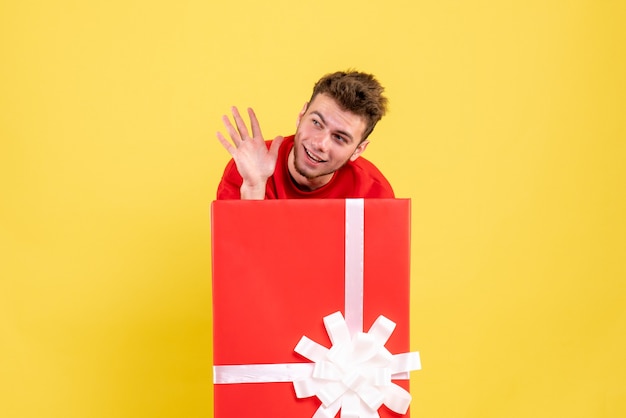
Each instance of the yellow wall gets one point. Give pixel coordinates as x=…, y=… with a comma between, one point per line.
x=506, y=129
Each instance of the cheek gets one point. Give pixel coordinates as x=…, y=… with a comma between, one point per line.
x=340, y=155
x=301, y=134
x=353, y=155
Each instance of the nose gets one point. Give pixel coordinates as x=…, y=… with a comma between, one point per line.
x=321, y=141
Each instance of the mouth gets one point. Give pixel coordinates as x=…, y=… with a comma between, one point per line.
x=313, y=157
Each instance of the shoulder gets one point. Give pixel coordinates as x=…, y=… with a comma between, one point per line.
x=371, y=179
x=230, y=183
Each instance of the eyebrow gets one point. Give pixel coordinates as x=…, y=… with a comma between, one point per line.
x=344, y=133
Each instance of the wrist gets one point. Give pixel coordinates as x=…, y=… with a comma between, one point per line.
x=252, y=191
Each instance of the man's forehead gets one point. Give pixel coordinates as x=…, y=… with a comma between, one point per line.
x=327, y=105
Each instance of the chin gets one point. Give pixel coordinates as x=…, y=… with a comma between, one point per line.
x=306, y=174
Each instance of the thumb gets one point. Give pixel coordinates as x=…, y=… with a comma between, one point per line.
x=275, y=145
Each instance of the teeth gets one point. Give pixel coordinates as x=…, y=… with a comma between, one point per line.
x=312, y=157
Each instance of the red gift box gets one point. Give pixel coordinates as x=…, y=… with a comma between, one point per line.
x=279, y=268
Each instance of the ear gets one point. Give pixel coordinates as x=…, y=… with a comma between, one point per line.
x=359, y=150
x=302, y=112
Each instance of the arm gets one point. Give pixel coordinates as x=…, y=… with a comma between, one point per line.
x=254, y=161
x=230, y=184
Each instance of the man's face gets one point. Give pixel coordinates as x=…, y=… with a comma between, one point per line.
x=327, y=138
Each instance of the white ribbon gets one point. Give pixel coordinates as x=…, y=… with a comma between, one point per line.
x=355, y=374
x=353, y=271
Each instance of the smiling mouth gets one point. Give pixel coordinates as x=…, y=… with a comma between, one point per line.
x=312, y=157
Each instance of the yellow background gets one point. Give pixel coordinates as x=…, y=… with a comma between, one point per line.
x=506, y=129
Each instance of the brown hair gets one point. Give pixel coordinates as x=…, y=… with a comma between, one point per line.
x=357, y=92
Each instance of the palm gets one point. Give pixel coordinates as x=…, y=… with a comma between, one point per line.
x=255, y=161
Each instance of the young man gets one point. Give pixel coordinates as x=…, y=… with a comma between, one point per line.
x=322, y=159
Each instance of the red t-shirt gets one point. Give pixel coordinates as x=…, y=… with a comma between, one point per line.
x=356, y=179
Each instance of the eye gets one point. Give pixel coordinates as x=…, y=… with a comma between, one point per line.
x=340, y=139
x=315, y=122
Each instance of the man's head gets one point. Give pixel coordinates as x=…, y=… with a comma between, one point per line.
x=333, y=127
x=356, y=92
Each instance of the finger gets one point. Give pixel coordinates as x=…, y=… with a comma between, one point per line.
x=241, y=125
x=254, y=123
x=234, y=135
x=229, y=147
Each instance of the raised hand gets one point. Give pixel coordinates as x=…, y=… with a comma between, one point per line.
x=255, y=161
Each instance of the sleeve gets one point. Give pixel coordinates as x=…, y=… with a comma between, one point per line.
x=230, y=185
